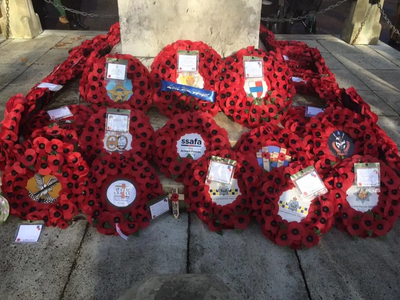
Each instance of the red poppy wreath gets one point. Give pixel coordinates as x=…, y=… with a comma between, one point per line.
x=286, y=218
x=16, y=110
x=139, y=140
x=67, y=130
x=136, y=90
x=339, y=133
x=249, y=100
x=80, y=115
x=222, y=207
x=184, y=139
x=362, y=212
x=46, y=182
x=278, y=145
x=119, y=191
x=296, y=120
x=165, y=68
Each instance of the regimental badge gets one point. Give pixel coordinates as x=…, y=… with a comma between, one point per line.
x=293, y=204
x=112, y=142
x=340, y=144
x=362, y=195
x=122, y=143
x=256, y=88
x=43, y=189
x=119, y=92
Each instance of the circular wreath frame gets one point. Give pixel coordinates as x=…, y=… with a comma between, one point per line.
x=91, y=140
x=105, y=216
x=165, y=151
x=164, y=68
x=218, y=217
x=93, y=86
x=245, y=109
x=46, y=158
x=378, y=221
x=295, y=235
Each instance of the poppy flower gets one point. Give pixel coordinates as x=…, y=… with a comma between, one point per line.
x=283, y=238
x=367, y=222
x=295, y=231
x=380, y=227
x=29, y=158
x=55, y=162
x=241, y=221
x=310, y=238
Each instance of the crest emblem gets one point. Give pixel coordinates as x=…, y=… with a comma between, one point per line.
x=223, y=191
x=119, y=92
x=362, y=195
x=43, y=189
x=111, y=142
x=293, y=204
x=122, y=143
x=340, y=144
x=257, y=88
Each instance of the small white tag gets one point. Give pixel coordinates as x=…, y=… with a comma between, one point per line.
x=187, y=63
x=312, y=111
x=121, y=234
x=220, y=172
x=253, y=69
x=297, y=79
x=28, y=233
x=310, y=184
x=51, y=86
x=285, y=57
x=116, y=71
x=159, y=208
x=60, y=113
x=368, y=177
x=119, y=123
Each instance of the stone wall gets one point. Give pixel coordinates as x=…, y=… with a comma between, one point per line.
x=226, y=25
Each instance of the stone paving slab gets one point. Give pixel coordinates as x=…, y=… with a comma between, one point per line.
x=365, y=61
x=391, y=125
x=342, y=267
x=346, y=79
x=378, y=80
x=107, y=266
x=8, y=72
x=10, y=90
x=247, y=262
x=378, y=104
x=37, y=271
x=53, y=57
x=33, y=75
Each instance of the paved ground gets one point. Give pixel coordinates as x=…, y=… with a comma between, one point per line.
x=79, y=263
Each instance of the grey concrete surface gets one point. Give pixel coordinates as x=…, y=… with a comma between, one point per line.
x=107, y=266
x=37, y=271
x=342, y=267
x=247, y=262
x=181, y=287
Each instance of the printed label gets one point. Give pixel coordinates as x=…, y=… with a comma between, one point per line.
x=224, y=194
x=159, y=208
x=362, y=199
x=191, y=144
x=292, y=207
x=121, y=193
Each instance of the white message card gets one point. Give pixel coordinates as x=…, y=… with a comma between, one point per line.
x=253, y=67
x=309, y=183
x=158, y=208
x=367, y=175
x=188, y=61
x=59, y=113
x=118, y=120
x=28, y=233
